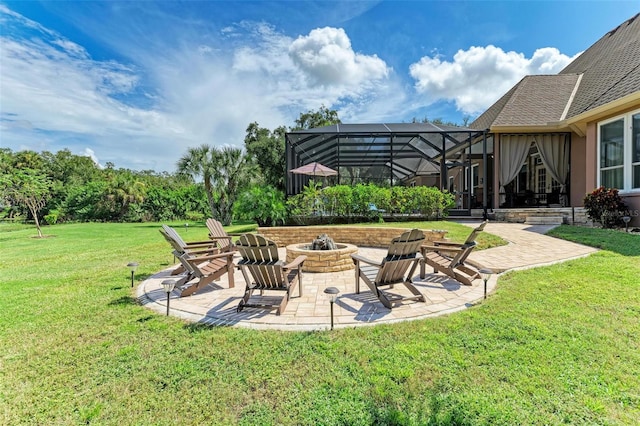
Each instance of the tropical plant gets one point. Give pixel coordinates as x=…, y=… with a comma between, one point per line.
x=338, y=200
x=225, y=172
x=123, y=191
x=308, y=202
x=263, y=204
x=199, y=162
x=604, y=205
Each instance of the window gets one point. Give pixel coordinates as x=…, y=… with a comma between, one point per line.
x=619, y=152
x=475, y=178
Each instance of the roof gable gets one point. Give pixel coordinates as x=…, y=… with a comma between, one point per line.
x=605, y=72
x=535, y=101
x=611, y=68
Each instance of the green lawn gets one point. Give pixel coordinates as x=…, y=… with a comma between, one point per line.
x=558, y=344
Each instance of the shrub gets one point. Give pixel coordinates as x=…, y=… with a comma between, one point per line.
x=338, y=200
x=194, y=216
x=52, y=217
x=345, y=203
x=262, y=204
x=604, y=205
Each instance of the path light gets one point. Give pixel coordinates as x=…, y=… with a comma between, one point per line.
x=333, y=292
x=132, y=267
x=168, y=286
x=485, y=274
x=626, y=220
x=186, y=227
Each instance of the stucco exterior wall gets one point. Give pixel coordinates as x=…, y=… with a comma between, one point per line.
x=578, y=170
x=633, y=202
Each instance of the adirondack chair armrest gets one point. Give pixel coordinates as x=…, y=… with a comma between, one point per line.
x=446, y=244
x=296, y=262
x=210, y=250
x=363, y=259
x=221, y=237
x=441, y=248
x=196, y=244
x=199, y=259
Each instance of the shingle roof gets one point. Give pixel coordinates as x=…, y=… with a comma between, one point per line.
x=535, y=101
x=610, y=70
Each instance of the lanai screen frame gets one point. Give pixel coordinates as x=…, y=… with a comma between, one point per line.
x=405, y=149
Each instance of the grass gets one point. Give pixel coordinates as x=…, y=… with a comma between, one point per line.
x=553, y=345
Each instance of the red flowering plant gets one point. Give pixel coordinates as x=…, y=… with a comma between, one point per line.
x=605, y=205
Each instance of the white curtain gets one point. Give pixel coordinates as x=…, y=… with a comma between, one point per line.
x=554, y=152
x=514, y=150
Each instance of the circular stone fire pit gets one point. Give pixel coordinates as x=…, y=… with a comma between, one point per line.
x=323, y=260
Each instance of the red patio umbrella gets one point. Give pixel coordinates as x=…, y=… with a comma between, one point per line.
x=314, y=169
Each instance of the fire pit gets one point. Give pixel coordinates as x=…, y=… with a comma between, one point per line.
x=323, y=255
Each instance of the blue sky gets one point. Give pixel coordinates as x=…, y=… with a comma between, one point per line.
x=136, y=83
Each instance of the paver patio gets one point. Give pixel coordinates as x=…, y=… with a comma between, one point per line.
x=216, y=304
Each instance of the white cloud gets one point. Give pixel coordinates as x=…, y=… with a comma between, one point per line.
x=144, y=115
x=477, y=77
x=88, y=152
x=53, y=84
x=183, y=89
x=327, y=58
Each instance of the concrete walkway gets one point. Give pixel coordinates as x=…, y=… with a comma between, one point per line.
x=216, y=304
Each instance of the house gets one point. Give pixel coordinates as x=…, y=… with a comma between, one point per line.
x=561, y=136
x=546, y=143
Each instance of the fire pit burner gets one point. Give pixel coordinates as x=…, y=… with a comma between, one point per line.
x=323, y=242
x=335, y=260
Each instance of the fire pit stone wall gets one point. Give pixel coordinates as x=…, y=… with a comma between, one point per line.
x=361, y=236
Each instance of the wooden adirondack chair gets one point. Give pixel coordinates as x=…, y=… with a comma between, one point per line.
x=452, y=266
x=397, y=267
x=263, y=270
x=448, y=257
x=206, y=269
x=220, y=236
x=443, y=246
x=181, y=247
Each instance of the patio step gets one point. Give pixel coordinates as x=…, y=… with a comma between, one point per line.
x=543, y=220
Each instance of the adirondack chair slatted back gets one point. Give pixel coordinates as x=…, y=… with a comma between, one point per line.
x=174, y=235
x=406, y=245
x=400, y=256
x=260, y=259
x=462, y=255
x=474, y=234
x=170, y=240
x=216, y=230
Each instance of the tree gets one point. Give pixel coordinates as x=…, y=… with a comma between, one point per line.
x=312, y=119
x=267, y=150
x=231, y=176
x=28, y=187
x=224, y=173
x=199, y=162
x=123, y=190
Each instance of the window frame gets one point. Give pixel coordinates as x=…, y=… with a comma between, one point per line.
x=627, y=151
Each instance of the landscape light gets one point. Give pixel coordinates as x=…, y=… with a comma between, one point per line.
x=485, y=274
x=132, y=267
x=626, y=220
x=333, y=292
x=168, y=286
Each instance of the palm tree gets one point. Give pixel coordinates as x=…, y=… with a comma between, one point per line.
x=199, y=162
x=225, y=172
